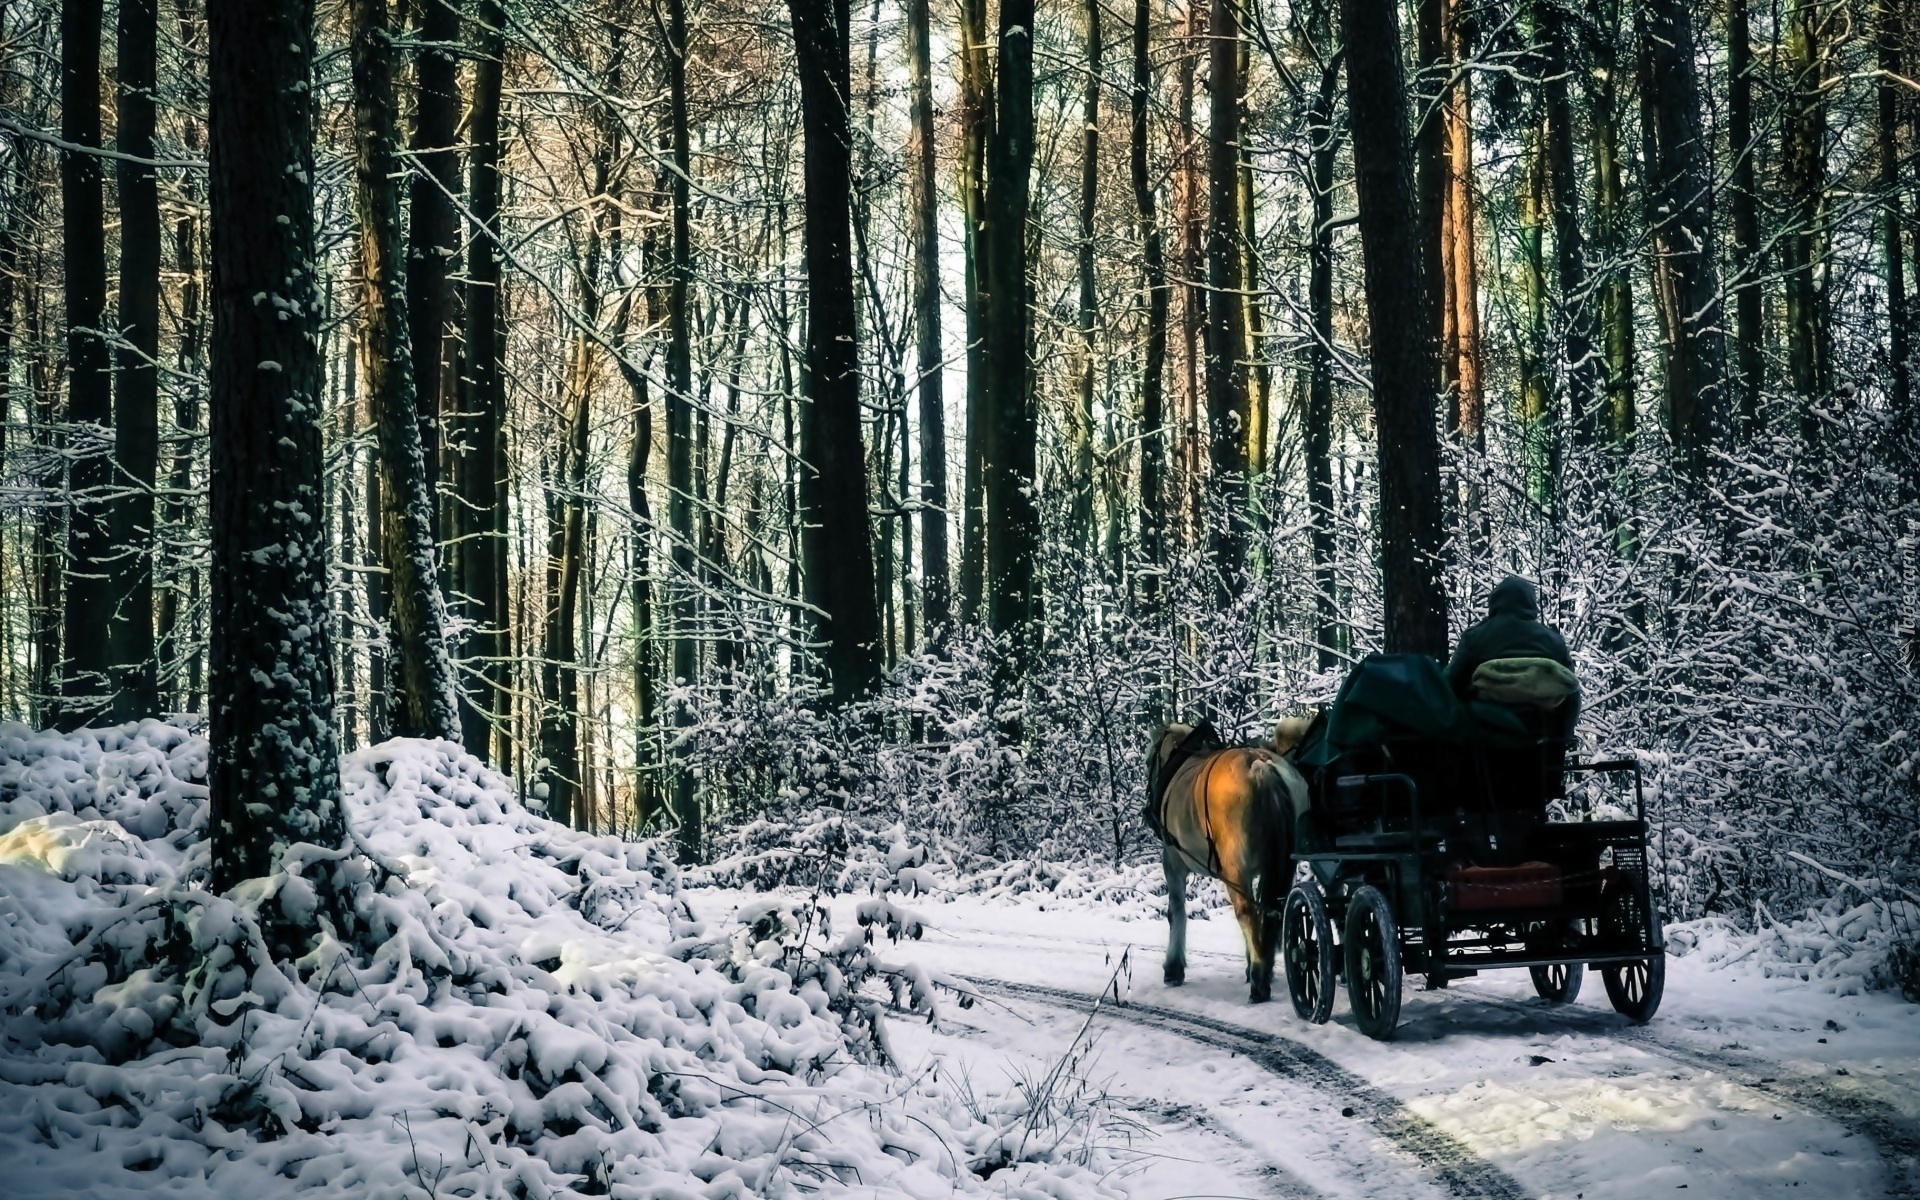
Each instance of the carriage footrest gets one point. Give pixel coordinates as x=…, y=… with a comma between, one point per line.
x=1529, y=885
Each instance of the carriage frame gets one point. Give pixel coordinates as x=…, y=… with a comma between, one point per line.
x=1394, y=880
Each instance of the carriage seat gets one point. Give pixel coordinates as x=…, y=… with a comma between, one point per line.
x=1482, y=889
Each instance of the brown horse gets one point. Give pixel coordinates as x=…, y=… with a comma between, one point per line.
x=1226, y=812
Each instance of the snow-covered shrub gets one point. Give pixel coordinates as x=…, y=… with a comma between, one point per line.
x=483, y=1003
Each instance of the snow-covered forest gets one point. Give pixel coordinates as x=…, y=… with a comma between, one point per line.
x=571, y=573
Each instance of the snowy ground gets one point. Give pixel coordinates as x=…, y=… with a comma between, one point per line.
x=509, y=1008
x=1742, y=1086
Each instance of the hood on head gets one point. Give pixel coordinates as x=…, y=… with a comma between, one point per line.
x=1514, y=597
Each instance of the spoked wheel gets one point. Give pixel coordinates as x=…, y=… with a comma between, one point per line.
x=1373, y=963
x=1306, y=945
x=1560, y=983
x=1634, y=988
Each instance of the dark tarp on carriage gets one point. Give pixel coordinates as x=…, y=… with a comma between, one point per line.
x=1394, y=697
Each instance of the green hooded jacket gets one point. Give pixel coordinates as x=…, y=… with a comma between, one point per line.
x=1512, y=629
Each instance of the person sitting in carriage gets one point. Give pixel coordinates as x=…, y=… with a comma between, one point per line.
x=1513, y=658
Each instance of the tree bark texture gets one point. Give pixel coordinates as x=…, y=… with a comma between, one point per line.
x=1404, y=353
x=1461, y=355
x=836, y=543
x=136, y=424
x=477, y=438
x=1749, y=371
x=1013, y=518
x=1324, y=145
x=422, y=693
x=86, y=676
x=274, y=778
x=1084, y=370
x=433, y=236
x=936, y=592
x=1803, y=155
x=1153, y=436
x=1228, y=416
x=1679, y=204
x=1887, y=138
x=976, y=126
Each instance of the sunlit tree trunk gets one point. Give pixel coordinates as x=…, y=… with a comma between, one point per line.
x=976, y=122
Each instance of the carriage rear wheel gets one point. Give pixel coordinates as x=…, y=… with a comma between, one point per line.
x=1373, y=963
x=1559, y=983
x=1306, y=945
x=1635, y=987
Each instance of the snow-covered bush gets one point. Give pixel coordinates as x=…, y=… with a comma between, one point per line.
x=482, y=1003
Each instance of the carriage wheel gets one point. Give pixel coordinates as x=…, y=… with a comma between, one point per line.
x=1373, y=963
x=1306, y=945
x=1560, y=983
x=1634, y=988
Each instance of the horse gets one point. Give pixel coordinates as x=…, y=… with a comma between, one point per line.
x=1227, y=812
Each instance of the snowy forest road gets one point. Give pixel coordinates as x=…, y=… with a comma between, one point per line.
x=1743, y=1086
x=1452, y=1164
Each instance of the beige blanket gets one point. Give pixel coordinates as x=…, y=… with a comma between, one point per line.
x=1525, y=682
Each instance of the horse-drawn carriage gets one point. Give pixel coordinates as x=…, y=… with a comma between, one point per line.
x=1441, y=839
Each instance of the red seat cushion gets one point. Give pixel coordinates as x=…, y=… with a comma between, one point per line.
x=1529, y=885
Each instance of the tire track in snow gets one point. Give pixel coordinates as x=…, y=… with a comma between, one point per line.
x=1444, y=1156
x=1895, y=1135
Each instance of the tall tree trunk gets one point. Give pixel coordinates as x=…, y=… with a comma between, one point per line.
x=1680, y=213
x=1083, y=481
x=1153, y=437
x=1575, y=308
x=836, y=544
x=86, y=680
x=136, y=427
x=1536, y=386
x=1887, y=131
x=684, y=602
x=1324, y=143
x=1189, y=209
x=1013, y=590
x=1609, y=221
x=936, y=597
x=1749, y=371
x=1252, y=318
x=1459, y=278
x=433, y=236
x=646, y=703
x=1404, y=350
x=479, y=444
x=1803, y=155
x=976, y=124
x=171, y=648
x=274, y=778
x=423, y=688
x=1228, y=416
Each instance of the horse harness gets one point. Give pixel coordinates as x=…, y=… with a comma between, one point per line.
x=1201, y=739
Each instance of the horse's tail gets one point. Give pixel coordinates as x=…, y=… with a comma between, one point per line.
x=1280, y=795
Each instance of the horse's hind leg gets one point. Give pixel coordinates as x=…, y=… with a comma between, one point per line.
x=1176, y=964
x=1253, y=929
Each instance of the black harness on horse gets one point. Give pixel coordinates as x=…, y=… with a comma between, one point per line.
x=1201, y=739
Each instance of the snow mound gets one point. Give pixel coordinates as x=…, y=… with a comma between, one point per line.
x=1843, y=948
x=497, y=1006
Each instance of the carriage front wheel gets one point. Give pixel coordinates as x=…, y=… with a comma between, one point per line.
x=1306, y=946
x=1373, y=963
